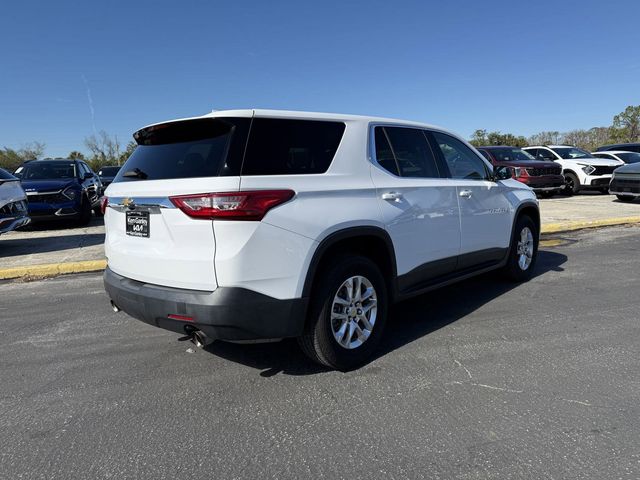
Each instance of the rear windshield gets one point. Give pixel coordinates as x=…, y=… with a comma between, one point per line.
x=216, y=147
x=108, y=171
x=511, y=155
x=208, y=147
x=291, y=147
x=39, y=170
x=4, y=175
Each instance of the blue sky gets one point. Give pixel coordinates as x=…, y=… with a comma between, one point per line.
x=513, y=66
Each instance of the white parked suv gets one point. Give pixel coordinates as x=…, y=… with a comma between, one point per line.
x=252, y=224
x=581, y=170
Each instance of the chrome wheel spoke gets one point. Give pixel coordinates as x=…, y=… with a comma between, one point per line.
x=353, y=312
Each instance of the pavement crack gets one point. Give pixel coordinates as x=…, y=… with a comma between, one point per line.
x=457, y=362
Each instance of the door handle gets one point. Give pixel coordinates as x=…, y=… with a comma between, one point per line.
x=392, y=196
x=465, y=193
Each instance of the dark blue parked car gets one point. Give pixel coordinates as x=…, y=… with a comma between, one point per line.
x=60, y=189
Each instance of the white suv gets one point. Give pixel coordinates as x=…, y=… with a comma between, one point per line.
x=580, y=168
x=251, y=224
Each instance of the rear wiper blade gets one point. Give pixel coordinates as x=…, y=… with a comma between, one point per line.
x=137, y=173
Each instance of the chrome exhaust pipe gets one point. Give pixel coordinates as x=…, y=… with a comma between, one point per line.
x=199, y=339
x=115, y=307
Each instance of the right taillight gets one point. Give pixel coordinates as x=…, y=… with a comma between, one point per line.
x=249, y=205
x=103, y=204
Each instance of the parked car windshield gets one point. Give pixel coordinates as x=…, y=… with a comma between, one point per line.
x=570, y=153
x=511, y=155
x=629, y=157
x=40, y=170
x=4, y=175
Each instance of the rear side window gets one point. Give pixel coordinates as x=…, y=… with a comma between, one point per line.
x=207, y=147
x=411, y=151
x=291, y=147
x=384, y=154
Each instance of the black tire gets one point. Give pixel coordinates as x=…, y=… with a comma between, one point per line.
x=85, y=213
x=512, y=270
x=626, y=198
x=604, y=191
x=318, y=341
x=547, y=194
x=571, y=184
x=97, y=211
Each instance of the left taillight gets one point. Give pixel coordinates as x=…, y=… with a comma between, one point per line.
x=103, y=204
x=248, y=205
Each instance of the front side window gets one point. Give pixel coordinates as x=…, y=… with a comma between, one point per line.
x=545, y=154
x=412, y=152
x=291, y=147
x=462, y=161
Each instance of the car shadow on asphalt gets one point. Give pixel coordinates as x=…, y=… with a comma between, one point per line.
x=406, y=322
x=31, y=246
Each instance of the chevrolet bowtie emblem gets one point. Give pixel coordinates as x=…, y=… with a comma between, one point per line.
x=128, y=202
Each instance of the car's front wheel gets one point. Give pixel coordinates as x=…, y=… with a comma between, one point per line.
x=626, y=198
x=571, y=184
x=347, y=313
x=523, y=251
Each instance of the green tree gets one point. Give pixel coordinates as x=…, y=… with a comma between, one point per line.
x=482, y=137
x=75, y=155
x=626, y=125
x=105, y=150
x=11, y=159
x=131, y=146
x=546, y=138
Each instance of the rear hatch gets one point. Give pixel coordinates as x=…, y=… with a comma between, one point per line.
x=147, y=237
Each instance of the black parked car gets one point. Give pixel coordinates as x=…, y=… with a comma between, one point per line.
x=60, y=189
x=107, y=174
x=627, y=147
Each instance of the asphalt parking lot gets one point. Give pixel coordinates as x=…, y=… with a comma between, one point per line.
x=483, y=379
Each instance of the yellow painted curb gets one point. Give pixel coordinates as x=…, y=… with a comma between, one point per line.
x=52, y=269
x=579, y=225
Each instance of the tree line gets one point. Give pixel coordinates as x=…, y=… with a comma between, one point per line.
x=625, y=128
x=105, y=149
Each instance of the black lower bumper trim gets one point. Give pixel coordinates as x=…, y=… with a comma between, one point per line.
x=227, y=313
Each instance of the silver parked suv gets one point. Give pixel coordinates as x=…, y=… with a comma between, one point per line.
x=259, y=224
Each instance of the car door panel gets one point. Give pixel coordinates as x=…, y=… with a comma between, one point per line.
x=422, y=218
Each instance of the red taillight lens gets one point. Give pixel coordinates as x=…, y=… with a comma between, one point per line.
x=103, y=204
x=250, y=205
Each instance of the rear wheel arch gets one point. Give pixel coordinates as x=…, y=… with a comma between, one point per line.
x=371, y=242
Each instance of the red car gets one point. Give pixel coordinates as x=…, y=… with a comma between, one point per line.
x=543, y=177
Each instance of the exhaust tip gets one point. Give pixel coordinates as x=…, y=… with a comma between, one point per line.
x=199, y=339
x=114, y=307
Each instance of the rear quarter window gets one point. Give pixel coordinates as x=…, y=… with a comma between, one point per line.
x=291, y=147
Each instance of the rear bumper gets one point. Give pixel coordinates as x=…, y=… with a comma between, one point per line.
x=227, y=313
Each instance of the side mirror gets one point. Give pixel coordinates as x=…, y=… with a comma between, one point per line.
x=502, y=173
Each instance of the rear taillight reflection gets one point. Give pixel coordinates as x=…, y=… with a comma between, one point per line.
x=249, y=205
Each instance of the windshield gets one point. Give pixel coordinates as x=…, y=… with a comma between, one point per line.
x=629, y=157
x=108, y=171
x=571, y=153
x=40, y=170
x=511, y=155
